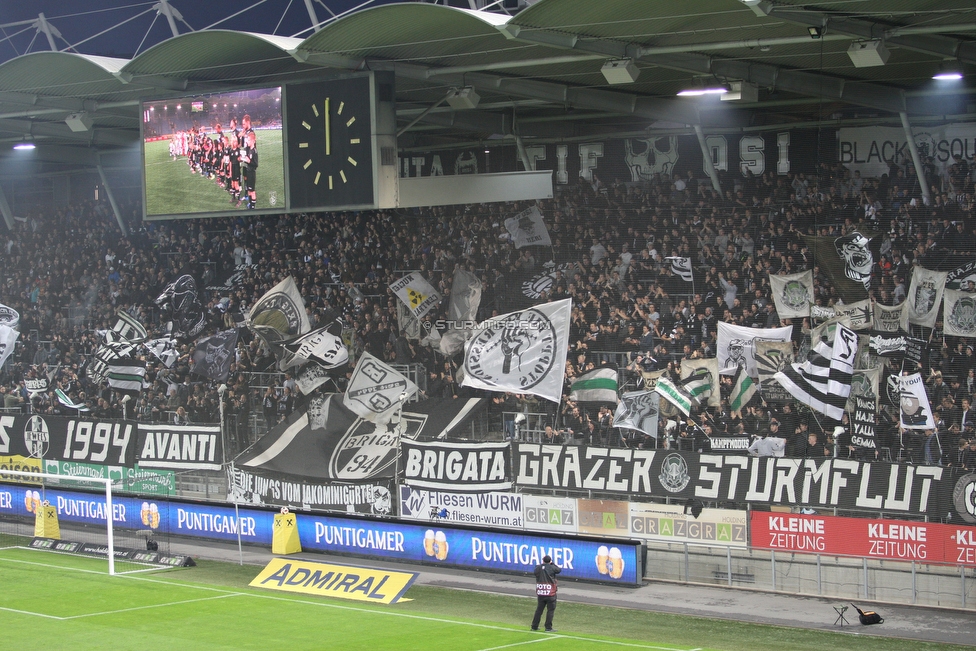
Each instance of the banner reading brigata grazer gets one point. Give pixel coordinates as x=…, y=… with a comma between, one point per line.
x=816, y=483
x=889, y=539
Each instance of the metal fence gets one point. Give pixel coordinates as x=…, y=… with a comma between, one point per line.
x=844, y=577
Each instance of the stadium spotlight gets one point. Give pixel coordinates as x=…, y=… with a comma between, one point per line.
x=695, y=92
x=815, y=32
x=463, y=98
x=948, y=72
x=620, y=71
x=867, y=54
x=26, y=144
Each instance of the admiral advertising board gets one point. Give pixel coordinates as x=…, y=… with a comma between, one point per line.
x=924, y=542
x=614, y=561
x=817, y=483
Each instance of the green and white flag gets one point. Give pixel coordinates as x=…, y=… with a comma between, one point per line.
x=676, y=395
x=68, y=402
x=743, y=388
x=792, y=294
x=703, y=373
x=596, y=386
x=126, y=374
x=959, y=315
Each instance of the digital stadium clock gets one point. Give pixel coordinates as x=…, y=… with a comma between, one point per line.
x=332, y=143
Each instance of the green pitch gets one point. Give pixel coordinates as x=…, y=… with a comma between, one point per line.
x=55, y=601
x=172, y=188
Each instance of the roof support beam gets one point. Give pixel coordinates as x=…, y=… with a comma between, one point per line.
x=60, y=130
x=571, y=96
x=865, y=94
x=940, y=46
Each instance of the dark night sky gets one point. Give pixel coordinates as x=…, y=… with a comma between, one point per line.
x=78, y=20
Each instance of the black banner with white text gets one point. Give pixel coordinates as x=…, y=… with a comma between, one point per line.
x=815, y=483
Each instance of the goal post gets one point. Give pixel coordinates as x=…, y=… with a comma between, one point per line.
x=24, y=494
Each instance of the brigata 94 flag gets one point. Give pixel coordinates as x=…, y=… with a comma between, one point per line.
x=376, y=390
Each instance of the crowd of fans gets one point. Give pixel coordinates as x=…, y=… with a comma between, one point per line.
x=68, y=271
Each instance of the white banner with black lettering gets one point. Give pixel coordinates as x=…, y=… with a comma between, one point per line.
x=456, y=466
x=180, y=447
x=494, y=509
x=925, y=296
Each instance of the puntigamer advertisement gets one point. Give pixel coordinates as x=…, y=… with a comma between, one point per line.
x=615, y=561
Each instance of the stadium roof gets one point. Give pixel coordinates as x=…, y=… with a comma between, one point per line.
x=537, y=70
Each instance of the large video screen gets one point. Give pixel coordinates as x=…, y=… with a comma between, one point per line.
x=213, y=155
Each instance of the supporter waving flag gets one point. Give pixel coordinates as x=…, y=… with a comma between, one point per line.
x=823, y=382
x=521, y=352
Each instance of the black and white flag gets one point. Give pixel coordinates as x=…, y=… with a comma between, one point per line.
x=127, y=328
x=9, y=316
x=164, y=348
x=180, y=303
x=891, y=319
x=528, y=229
x=862, y=405
x=916, y=411
x=681, y=267
x=214, y=355
x=638, y=410
x=823, y=382
x=279, y=315
x=376, y=390
x=319, y=346
x=8, y=338
x=925, y=296
x=522, y=352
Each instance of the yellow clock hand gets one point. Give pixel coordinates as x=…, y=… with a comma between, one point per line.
x=328, y=130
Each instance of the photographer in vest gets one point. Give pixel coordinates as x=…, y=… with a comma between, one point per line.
x=545, y=590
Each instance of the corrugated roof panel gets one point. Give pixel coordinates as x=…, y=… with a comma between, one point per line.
x=60, y=74
x=414, y=32
x=215, y=55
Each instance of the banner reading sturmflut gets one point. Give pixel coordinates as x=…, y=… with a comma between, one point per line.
x=522, y=352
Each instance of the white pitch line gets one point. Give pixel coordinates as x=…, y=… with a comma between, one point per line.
x=171, y=603
x=32, y=614
x=407, y=615
x=508, y=646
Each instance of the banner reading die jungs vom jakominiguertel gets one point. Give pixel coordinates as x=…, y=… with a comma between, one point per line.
x=670, y=523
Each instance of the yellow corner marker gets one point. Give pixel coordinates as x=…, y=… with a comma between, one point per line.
x=330, y=580
x=46, y=522
x=284, y=538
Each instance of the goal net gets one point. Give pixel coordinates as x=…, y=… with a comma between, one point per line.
x=71, y=516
